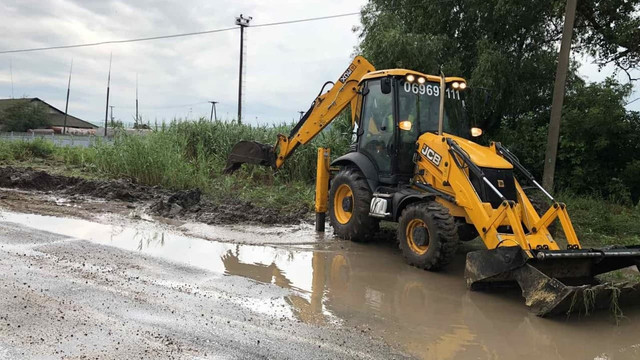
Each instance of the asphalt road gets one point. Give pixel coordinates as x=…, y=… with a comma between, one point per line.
x=86, y=278
x=64, y=297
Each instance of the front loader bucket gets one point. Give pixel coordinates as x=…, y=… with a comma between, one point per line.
x=557, y=282
x=250, y=152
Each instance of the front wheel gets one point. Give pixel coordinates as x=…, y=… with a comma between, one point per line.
x=349, y=201
x=427, y=235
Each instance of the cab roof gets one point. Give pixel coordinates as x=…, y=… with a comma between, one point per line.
x=404, y=72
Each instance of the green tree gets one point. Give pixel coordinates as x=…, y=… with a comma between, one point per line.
x=609, y=31
x=23, y=116
x=511, y=48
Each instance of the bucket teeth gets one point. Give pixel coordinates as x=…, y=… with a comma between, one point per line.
x=562, y=284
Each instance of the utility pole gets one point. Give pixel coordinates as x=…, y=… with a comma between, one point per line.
x=242, y=22
x=11, y=72
x=137, y=118
x=66, y=106
x=558, y=96
x=106, y=110
x=214, y=113
x=301, y=113
x=111, y=106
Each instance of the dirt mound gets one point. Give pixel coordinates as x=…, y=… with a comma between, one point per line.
x=122, y=190
x=190, y=205
x=236, y=211
x=178, y=203
x=30, y=179
x=184, y=205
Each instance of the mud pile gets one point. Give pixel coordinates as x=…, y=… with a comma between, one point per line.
x=181, y=205
x=31, y=179
x=190, y=204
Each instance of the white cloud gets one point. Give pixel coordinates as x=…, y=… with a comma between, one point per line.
x=286, y=65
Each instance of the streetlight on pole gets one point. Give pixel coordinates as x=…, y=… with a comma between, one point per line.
x=214, y=114
x=243, y=22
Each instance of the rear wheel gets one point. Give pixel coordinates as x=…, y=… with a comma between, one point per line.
x=427, y=235
x=349, y=201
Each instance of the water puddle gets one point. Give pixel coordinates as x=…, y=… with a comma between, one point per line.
x=369, y=288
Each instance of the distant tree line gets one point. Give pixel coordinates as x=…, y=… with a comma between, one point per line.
x=509, y=49
x=22, y=116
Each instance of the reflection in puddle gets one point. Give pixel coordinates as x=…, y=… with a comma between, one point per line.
x=369, y=288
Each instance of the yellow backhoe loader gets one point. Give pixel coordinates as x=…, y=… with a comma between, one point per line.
x=414, y=162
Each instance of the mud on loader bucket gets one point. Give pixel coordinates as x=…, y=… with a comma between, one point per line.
x=557, y=282
x=250, y=152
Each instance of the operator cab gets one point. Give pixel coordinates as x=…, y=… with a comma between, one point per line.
x=395, y=111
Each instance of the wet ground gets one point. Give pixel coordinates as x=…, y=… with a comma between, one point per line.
x=182, y=205
x=123, y=285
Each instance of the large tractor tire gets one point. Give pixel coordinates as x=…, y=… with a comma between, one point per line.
x=349, y=201
x=427, y=235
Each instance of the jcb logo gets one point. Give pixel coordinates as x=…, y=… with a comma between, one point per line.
x=430, y=154
x=347, y=73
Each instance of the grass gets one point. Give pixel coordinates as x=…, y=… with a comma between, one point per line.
x=184, y=155
x=599, y=222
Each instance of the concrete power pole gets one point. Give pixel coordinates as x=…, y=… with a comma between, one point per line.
x=137, y=124
x=11, y=72
x=111, y=106
x=558, y=96
x=214, y=113
x=243, y=23
x=106, y=110
x=66, y=106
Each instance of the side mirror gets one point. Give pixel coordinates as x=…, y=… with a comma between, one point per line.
x=385, y=85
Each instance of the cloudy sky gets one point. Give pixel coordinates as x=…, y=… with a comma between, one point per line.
x=286, y=64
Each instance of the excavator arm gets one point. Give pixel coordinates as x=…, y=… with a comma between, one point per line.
x=324, y=109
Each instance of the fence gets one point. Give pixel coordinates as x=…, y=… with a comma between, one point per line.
x=58, y=139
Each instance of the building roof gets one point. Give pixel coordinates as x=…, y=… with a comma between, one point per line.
x=55, y=116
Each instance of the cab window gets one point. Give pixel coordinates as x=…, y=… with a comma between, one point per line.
x=377, y=126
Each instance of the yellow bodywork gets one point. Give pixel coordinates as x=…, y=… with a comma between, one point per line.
x=322, y=179
x=445, y=177
x=454, y=180
x=325, y=108
x=328, y=106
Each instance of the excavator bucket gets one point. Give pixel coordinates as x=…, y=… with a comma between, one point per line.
x=250, y=152
x=557, y=282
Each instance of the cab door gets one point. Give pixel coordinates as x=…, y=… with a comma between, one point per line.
x=376, y=133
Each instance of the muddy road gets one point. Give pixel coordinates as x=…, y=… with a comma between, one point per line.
x=101, y=279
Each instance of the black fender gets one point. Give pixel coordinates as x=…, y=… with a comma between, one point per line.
x=366, y=166
x=404, y=198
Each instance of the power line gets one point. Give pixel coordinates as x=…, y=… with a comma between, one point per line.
x=305, y=20
x=165, y=107
x=172, y=35
x=115, y=41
